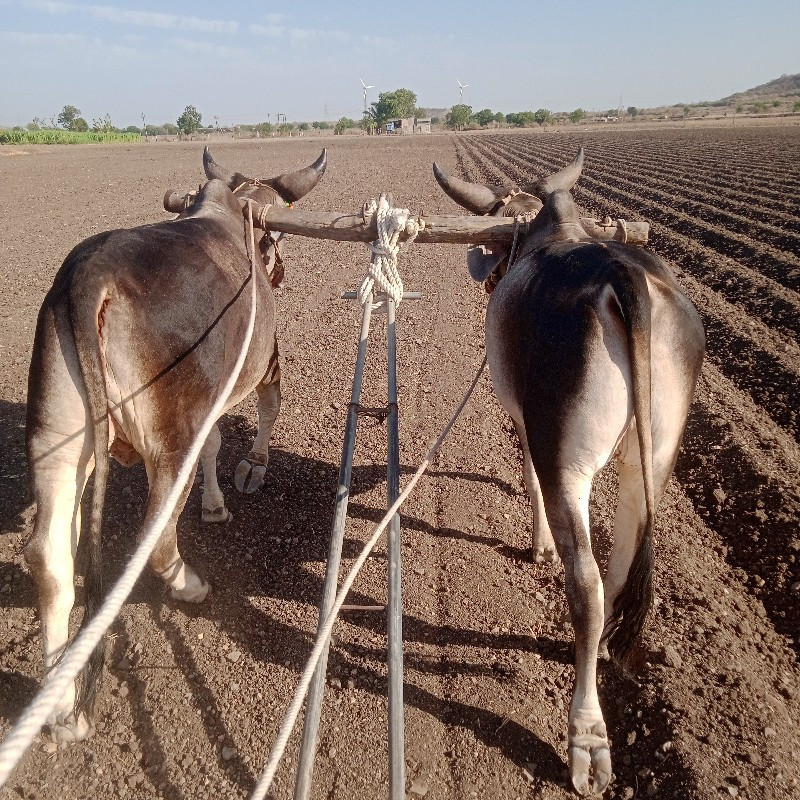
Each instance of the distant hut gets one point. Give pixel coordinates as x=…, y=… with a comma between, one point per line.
x=404, y=125
x=408, y=125
x=422, y=125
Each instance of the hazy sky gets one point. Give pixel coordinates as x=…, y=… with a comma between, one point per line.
x=243, y=60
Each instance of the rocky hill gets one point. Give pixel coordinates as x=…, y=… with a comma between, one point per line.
x=785, y=87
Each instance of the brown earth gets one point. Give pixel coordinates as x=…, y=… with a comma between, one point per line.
x=713, y=710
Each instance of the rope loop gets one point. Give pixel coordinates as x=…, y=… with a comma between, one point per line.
x=262, y=216
x=383, y=274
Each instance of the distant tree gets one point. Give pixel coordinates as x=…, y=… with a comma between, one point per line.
x=776, y=103
x=344, y=124
x=367, y=123
x=34, y=125
x=190, y=120
x=263, y=128
x=499, y=117
x=321, y=126
x=103, y=124
x=521, y=118
x=759, y=107
x=459, y=116
x=796, y=106
x=303, y=126
x=633, y=111
x=67, y=117
x=543, y=116
x=577, y=115
x=484, y=117
x=436, y=121
x=170, y=129
x=397, y=104
x=133, y=129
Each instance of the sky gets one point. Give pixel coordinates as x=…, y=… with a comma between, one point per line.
x=247, y=61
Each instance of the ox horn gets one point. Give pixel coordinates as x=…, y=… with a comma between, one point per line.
x=564, y=179
x=294, y=185
x=475, y=197
x=214, y=170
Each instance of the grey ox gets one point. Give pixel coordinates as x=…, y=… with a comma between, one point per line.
x=133, y=342
x=594, y=352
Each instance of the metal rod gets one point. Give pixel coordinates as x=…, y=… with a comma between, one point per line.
x=397, y=764
x=308, y=747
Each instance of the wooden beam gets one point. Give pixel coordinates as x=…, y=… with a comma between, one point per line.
x=437, y=230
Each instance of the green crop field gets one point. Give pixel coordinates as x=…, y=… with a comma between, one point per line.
x=51, y=136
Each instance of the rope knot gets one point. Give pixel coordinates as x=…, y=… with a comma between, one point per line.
x=382, y=272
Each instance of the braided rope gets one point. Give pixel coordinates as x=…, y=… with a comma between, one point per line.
x=75, y=658
x=382, y=272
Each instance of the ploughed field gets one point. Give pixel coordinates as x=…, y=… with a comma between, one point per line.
x=193, y=696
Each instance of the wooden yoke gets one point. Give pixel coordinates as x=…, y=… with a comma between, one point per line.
x=437, y=229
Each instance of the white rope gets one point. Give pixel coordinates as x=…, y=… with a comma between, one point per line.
x=289, y=719
x=382, y=272
x=23, y=733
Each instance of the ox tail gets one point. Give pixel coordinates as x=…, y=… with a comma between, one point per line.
x=87, y=304
x=633, y=602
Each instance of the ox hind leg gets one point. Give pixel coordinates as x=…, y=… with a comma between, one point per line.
x=251, y=471
x=59, y=468
x=543, y=547
x=213, y=503
x=567, y=502
x=165, y=559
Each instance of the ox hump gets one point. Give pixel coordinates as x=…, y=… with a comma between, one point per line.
x=211, y=197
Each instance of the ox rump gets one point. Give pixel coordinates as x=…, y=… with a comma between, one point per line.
x=135, y=338
x=594, y=352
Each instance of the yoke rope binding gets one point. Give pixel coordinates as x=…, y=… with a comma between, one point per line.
x=382, y=272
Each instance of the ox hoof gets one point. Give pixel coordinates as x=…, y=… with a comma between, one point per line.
x=220, y=515
x=194, y=592
x=545, y=554
x=69, y=729
x=249, y=476
x=589, y=759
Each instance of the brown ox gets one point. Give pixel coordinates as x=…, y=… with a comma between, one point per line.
x=594, y=352
x=133, y=343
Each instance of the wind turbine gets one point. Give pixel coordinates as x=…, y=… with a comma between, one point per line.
x=365, y=87
x=461, y=87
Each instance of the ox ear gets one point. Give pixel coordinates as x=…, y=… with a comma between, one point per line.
x=483, y=260
x=294, y=185
x=475, y=197
x=563, y=180
x=214, y=170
